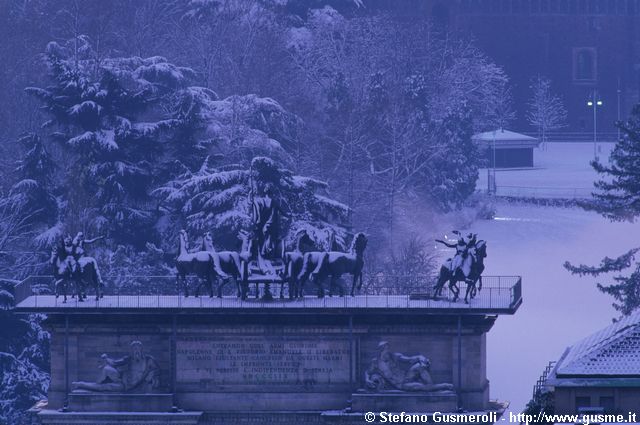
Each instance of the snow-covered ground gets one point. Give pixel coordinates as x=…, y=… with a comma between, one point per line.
x=558, y=308
x=561, y=170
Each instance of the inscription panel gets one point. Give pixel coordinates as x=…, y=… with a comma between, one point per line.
x=251, y=360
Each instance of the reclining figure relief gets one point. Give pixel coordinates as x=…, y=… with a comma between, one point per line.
x=135, y=373
x=391, y=371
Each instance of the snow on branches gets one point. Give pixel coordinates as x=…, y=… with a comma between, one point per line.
x=625, y=289
x=546, y=110
x=129, y=125
x=218, y=199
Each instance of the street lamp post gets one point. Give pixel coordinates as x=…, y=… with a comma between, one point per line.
x=618, y=92
x=594, y=103
x=491, y=168
x=495, y=189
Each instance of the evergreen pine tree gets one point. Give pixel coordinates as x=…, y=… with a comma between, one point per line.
x=109, y=120
x=453, y=172
x=129, y=125
x=34, y=191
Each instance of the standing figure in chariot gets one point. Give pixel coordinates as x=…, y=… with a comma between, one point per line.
x=266, y=221
x=65, y=252
x=266, y=232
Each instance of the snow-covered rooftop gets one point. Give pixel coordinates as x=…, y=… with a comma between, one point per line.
x=505, y=139
x=614, y=350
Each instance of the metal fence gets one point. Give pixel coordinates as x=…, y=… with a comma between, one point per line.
x=379, y=291
x=577, y=136
x=543, y=192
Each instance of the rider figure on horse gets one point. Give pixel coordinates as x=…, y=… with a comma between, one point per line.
x=72, y=255
x=65, y=252
x=79, y=252
x=465, y=252
x=472, y=240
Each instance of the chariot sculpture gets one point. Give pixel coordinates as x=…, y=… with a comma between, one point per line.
x=264, y=259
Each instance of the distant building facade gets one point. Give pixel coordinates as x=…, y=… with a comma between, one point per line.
x=600, y=372
x=581, y=45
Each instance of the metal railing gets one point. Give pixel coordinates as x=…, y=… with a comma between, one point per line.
x=378, y=291
x=576, y=136
x=543, y=192
x=541, y=383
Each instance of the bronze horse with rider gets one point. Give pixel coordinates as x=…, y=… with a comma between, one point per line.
x=466, y=266
x=73, y=268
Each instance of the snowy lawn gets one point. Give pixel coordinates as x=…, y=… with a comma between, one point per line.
x=558, y=308
x=561, y=170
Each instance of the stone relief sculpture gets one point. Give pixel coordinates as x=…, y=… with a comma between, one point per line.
x=109, y=379
x=135, y=373
x=391, y=371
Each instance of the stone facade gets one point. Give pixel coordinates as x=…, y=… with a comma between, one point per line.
x=238, y=362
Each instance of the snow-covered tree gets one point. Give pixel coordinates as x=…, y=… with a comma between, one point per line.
x=129, y=125
x=16, y=233
x=453, y=167
x=617, y=198
x=546, y=110
x=217, y=199
x=105, y=117
x=500, y=112
x=389, y=94
x=625, y=289
x=24, y=358
x=617, y=194
x=34, y=191
x=234, y=45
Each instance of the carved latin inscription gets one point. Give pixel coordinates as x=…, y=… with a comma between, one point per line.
x=260, y=360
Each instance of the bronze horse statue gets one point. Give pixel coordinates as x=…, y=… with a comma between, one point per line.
x=311, y=260
x=88, y=276
x=454, y=276
x=294, y=261
x=229, y=262
x=202, y=264
x=334, y=264
x=64, y=273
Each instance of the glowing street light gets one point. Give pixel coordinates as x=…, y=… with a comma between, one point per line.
x=594, y=103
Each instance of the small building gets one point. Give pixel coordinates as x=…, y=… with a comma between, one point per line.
x=512, y=150
x=600, y=372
